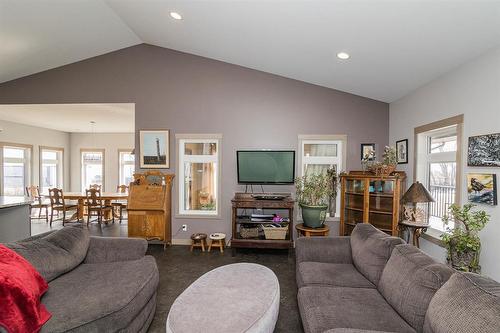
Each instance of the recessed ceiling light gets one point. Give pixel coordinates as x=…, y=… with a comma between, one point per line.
x=175, y=16
x=343, y=55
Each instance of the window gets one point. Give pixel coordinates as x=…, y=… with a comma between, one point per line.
x=92, y=167
x=16, y=169
x=318, y=153
x=199, y=172
x=51, y=168
x=127, y=166
x=436, y=165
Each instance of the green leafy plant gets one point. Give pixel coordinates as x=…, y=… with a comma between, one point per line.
x=315, y=190
x=462, y=242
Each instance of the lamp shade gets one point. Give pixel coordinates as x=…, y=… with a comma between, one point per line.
x=417, y=193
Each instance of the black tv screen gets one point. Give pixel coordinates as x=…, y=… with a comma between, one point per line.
x=266, y=166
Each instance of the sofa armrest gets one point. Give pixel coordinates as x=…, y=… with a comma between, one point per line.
x=335, y=250
x=111, y=249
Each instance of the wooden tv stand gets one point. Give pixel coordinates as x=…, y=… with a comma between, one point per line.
x=243, y=201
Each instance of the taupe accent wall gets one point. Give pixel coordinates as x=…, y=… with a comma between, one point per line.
x=191, y=94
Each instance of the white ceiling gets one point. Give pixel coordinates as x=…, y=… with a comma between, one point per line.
x=395, y=46
x=73, y=118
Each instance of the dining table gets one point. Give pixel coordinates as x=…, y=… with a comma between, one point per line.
x=106, y=196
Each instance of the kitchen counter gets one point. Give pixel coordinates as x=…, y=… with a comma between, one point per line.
x=14, y=218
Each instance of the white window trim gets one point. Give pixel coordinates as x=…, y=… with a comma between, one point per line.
x=82, y=169
x=181, y=139
x=340, y=159
x=420, y=160
x=122, y=163
x=27, y=161
x=59, y=165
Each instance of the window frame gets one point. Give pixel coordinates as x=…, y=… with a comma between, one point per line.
x=422, y=135
x=93, y=150
x=60, y=165
x=28, y=172
x=122, y=163
x=340, y=159
x=181, y=158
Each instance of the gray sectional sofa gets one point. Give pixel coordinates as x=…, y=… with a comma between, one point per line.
x=372, y=282
x=96, y=284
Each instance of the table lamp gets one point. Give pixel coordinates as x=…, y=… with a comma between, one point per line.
x=416, y=194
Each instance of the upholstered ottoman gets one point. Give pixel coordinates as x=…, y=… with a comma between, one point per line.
x=230, y=299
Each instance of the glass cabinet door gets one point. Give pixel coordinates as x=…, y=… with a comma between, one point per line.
x=353, y=203
x=381, y=203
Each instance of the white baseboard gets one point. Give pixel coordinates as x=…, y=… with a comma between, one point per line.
x=181, y=241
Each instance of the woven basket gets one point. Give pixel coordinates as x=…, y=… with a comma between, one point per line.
x=382, y=170
x=249, y=232
x=275, y=233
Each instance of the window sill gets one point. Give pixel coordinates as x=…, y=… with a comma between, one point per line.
x=198, y=217
x=434, y=236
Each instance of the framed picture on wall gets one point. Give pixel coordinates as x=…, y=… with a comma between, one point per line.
x=155, y=151
x=483, y=150
x=482, y=188
x=367, y=151
x=402, y=151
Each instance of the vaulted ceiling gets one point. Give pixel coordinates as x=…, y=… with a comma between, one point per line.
x=395, y=46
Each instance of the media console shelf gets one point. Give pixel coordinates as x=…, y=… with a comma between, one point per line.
x=245, y=201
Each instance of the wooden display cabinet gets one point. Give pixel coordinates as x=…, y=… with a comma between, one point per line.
x=367, y=198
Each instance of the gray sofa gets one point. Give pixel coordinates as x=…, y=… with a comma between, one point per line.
x=96, y=284
x=372, y=282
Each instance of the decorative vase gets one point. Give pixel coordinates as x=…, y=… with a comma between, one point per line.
x=313, y=216
x=464, y=260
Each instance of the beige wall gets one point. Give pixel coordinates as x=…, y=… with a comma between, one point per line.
x=473, y=90
x=111, y=143
x=37, y=136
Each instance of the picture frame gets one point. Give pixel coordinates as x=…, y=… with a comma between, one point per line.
x=482, y=150
x=402, y=151
x=367, y=151
x=482, y=188
x=154, y=149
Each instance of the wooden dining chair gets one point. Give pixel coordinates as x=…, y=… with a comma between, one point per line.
x=96, y=205
x=95, y=186
x=33, y=192
x=58, y=204
x=118, y=206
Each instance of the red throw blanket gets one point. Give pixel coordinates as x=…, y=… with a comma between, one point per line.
x=21, y=288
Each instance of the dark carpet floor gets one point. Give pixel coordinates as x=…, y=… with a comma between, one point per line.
x=179, y=268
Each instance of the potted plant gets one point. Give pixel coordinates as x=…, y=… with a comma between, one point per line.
x=313, y=194
x=463, y=242
x=388, y=164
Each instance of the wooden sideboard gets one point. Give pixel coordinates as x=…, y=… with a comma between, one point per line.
x=150, y=208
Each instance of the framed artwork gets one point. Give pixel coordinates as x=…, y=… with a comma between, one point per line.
x=402, y=151
x=367, y=151
x=154, y=146
x=482, y=188
x=484, y=151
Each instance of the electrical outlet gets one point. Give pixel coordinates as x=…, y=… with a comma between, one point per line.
x=184, y=227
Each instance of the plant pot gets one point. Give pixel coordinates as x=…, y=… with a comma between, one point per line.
x=313, y=216
x=467, y=261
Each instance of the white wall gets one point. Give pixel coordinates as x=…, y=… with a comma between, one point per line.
x=37, y=136
x=111, y=142
x=473, y=90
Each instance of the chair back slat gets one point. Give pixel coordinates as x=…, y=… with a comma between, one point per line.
x=122, y=189
x=95, y=187
x=56, y=197
x=93, y=197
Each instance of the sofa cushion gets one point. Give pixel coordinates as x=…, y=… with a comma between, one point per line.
x=55, y=253
x=102, y=297
x=336, y=275
x=371, y=248
x=466, y=303
x=323, y=308
x=409, y=281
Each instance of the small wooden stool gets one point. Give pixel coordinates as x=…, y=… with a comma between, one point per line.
x=308, y=232
x=217, y=239
x=198, y=240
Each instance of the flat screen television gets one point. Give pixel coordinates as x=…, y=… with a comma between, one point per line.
x=266, y=166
